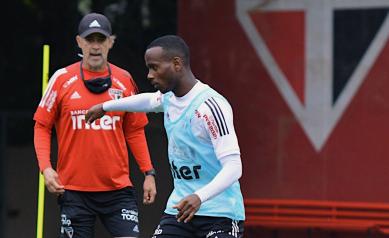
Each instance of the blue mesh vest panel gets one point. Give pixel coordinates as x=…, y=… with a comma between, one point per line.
x=194, y=164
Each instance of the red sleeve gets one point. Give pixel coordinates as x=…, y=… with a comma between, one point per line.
x=42, y=143
x=48, y=107
x=136, y=139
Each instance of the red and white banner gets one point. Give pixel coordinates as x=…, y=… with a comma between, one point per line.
x=308, y=81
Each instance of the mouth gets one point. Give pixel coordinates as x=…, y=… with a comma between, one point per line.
x=95, y=55
x=155, y=85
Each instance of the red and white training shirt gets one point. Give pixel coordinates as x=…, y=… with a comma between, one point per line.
x=91, y=157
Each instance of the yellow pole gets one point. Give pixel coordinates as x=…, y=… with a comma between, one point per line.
x=41, y=191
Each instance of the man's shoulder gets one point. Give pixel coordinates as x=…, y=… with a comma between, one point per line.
x=123, y=79
x=73, y=68
x=214, y=102
x=120, y=72
x=65, y=74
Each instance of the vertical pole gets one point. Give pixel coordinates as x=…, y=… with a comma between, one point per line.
x=41, y=190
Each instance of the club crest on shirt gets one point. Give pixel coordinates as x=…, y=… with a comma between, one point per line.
x=115, y=93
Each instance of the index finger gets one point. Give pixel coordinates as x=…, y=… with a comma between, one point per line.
x=179, y=206
x=189, y=217
x=88, y=117
x=56, y=184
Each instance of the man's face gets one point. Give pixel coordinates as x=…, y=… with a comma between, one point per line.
x=95, y=48
x=162, y=71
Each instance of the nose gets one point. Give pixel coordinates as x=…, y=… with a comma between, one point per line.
x=95, y=44
x=150, y=76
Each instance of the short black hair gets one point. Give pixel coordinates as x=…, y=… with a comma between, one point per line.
x=172, y=45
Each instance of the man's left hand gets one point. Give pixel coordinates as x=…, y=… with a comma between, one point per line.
x=149, y=190
x=187, y=208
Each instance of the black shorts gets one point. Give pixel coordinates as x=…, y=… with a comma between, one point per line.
x=117, y=210
x=198, y=227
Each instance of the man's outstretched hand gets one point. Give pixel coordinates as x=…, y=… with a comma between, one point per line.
x=94, y=113
x=187, y=208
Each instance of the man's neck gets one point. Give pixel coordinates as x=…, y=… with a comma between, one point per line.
x=187, y=83
x=96, y=69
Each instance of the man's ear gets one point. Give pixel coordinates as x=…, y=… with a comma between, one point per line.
x=177, y=63
x=112, y=41
x=79, y=41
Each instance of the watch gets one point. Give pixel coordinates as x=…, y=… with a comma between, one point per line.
x=150, y=172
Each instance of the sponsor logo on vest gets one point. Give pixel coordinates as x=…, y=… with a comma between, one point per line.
x=185, y=172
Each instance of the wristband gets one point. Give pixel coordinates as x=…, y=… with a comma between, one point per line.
x=150, y=172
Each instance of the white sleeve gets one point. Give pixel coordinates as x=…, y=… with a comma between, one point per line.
x=230, y=173
x=216, y=117
x=144, y=102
